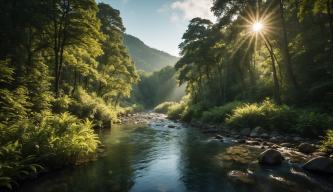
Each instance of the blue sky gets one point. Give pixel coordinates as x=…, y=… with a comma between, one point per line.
x=160, y=23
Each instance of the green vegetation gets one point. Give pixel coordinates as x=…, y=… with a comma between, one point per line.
x=157, y=87
x=146, y=58
x=164, y=107
x=327, y=143
x=266, y=114
x=280, y=50
x=63, y=71
x=219, y=114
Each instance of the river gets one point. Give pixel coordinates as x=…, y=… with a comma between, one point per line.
x=155, y=157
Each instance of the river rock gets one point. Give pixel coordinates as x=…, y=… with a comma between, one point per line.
x=241, y=141
x=297, y=139
x=218, y=137
x=241, y=176
x=270, y=157
x=307, y=148
x=322, y=154
x=171, y=126
x=289, y=145
x=252, y=142
x=274, y=134
x=210, y=130
x=319, y=164
x=245, y=131
x=264, y=135
x=255, y=132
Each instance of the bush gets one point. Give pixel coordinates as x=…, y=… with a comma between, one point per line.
x=46, y=140
x=219, y=114
x=312, y=124
x=266, y=114
x=164, y=107
x=192, y=112
x=327, y=142
x=93, y=108
x=176, y=111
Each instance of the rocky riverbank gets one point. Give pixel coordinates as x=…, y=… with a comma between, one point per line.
x=277, y=147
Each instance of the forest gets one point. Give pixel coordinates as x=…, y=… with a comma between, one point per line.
x=65, y=72
x=264, y=63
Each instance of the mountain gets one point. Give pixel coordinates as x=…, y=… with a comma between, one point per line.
x=146, y=58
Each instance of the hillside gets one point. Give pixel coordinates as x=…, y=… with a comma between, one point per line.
x=147, y=58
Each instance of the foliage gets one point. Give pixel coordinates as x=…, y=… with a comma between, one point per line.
x=94, y=108
x=219, y=114
x=58, y=58
x=312, y=124
x=48, y=141
x=176, y=110
x=164, y=107
x=266, y=114
x=327, y=142
x=157, y=87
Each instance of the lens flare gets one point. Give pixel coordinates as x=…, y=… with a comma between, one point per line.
x=257, y=27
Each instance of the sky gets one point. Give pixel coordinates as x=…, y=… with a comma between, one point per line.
x=161, y=23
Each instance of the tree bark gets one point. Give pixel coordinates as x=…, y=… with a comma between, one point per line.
x=330, y=19
x=277, y=96
x=285, y=50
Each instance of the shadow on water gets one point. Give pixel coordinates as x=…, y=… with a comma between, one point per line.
x=158, y=158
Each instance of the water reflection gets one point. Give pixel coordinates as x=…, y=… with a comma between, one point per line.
x=157, y=158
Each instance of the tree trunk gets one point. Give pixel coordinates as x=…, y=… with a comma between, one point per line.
x=330, y=19
x=285, y=50
x=277, y=96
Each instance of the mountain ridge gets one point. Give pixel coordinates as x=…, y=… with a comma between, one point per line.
x=145, y=57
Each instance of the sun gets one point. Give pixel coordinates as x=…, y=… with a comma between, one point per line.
x=257, y=26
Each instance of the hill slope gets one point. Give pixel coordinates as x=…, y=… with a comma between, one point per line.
x=147, y=58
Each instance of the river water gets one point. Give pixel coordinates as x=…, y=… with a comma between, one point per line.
x=155, y=157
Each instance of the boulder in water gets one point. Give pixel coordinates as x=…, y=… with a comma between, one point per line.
x=320, y=165
x=307, y=148
x=171, y=126
x=245, y=131
x=270, y=157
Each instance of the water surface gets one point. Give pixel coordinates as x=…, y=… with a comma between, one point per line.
x=158, y=158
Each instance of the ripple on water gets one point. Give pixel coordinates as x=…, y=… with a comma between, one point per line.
x=158, y=158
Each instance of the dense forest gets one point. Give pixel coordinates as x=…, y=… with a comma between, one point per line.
x=64, y=71
x=263, y=63
x=67, y=69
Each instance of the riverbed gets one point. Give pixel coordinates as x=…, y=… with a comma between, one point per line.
x=163, y=155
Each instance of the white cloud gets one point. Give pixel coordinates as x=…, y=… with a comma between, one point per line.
x=189, y=9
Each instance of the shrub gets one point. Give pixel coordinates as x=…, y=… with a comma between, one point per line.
x=48, y=140
x=327, y=142
x=192, y=112
x=312, y=124
x=266, y=114
x=164, y=107
x=219, y=114
x=93, y=108
x=62, y=104
x=176, y=110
